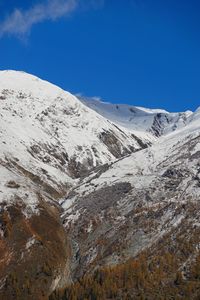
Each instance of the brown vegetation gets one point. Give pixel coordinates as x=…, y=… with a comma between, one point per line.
x=136, y=279
x=28, y=270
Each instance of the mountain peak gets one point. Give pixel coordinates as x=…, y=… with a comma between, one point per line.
x=22, y=81
x=16, y=74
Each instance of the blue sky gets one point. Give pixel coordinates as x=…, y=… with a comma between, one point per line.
x=141, y=52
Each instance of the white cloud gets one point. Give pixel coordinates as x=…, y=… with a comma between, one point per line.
x=20, y=22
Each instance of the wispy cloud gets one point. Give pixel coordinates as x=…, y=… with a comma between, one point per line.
x=20, y=22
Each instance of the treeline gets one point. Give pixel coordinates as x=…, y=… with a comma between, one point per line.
x=141, y=278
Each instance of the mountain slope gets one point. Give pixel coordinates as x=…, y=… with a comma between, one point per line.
x=48, y=139
x=154, y=121
x=137, y=203
x=55, y=128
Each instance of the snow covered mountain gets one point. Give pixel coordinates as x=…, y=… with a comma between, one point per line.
x=85, y=184
x=135, y=203
x=154, y=121
x=41, y=122
x=51, y=134
x=48, y=140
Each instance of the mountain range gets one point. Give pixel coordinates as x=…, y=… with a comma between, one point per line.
x=87, y=187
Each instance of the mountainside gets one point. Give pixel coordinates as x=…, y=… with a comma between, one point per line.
x=51, y=127
x=134, y=202
x=86, y=184
x=155, y=121
x=49, y=139
x=144, y=207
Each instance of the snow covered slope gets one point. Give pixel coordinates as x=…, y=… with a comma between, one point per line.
x=155, y=121
x=179, y=149
x=50, y=133
x=131, y=204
